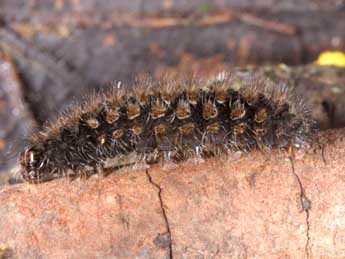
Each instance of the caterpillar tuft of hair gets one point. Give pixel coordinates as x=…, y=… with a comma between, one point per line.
x=168, y=120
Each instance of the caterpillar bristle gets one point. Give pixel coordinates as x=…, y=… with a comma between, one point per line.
x=168, y=120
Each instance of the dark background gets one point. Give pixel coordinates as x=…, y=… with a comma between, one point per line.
x=54, y=52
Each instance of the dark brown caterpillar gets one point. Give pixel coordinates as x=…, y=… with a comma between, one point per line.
x=168, y=120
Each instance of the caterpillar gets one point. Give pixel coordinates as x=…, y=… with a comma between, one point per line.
x=168, y=120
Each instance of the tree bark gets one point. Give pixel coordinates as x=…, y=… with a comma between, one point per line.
x=258, y=205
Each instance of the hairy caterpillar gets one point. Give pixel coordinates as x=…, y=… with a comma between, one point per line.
x=169, y=119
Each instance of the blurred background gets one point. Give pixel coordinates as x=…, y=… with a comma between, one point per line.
x=53, y=52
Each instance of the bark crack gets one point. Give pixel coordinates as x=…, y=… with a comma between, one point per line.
x=163, y=211
x=306, y=206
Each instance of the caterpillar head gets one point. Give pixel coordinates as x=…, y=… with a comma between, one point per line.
x=33, y=162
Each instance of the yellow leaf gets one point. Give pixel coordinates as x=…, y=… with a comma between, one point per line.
x=335, y=58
